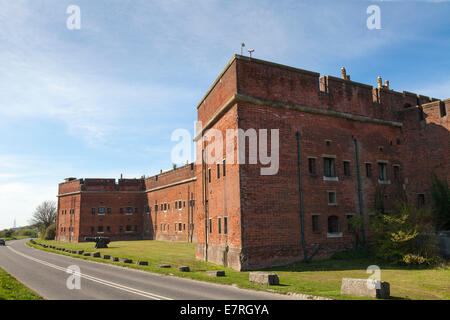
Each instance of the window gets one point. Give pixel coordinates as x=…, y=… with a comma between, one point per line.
x=108, y=229
x=156, y=207
x=210, y=225
x=315, y=223
x=220, y=225
x=92, y=229
x=168, y=206
x=129, y=210
x=179, y=205
x=184, y=226
x=224, y=168
x=93, y=210
x=346, y=168
x=312, y=166
x=109, y=210
x=218, y=171
x=396, y=172
x=184, y=204
x=331, y=197
x=101, y=210
x=148, y=209
x=136, y=228
x=328, y=167
x=382, y=171
x=121, y=229
x=128, y=229
x=225, y=225
x=121, y=210
x=420, y=200
x=162, y=207
x=100, y=229
x=176, y=204
x=333, y=224
x=368, y=170
x=165, y=206
x=209, y=175
x=179, y=226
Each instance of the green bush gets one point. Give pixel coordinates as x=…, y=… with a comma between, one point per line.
x=50, y=232
x=404, y=236
x=8, y=233
x=27, y=233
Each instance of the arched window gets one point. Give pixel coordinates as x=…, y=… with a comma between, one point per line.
x=333, y=224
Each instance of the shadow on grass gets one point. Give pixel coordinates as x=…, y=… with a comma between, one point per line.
x=343, y=261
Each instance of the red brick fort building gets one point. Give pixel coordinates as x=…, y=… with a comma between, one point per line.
x=341, y=143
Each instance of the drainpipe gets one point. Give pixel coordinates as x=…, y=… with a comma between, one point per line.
x=358, y=175
x=300, y=189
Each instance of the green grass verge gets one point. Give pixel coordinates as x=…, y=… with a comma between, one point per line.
x=11, y=289
x=321, y=278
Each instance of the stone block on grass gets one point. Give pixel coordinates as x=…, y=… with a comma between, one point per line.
x=215, y=273
x=80, y=251
x=142, y=263
x=106, y=256
x=96, y=254
x=166, y=266
x=87, y=254
x=270, y=279
x=366, y=288
x=114, y=259
x=125, y=260
x=184, y=268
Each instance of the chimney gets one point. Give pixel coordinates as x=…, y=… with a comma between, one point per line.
x=380, y=83
x=386, y=84
x=343, y=73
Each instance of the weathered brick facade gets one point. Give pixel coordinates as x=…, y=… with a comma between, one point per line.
x=246, y=220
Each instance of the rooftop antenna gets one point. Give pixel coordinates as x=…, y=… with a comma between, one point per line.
x=242, y=48
x=250, y=51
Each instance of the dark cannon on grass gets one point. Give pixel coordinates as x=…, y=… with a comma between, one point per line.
x=100, y=242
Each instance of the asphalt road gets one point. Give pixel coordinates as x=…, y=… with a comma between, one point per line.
x=46, y=274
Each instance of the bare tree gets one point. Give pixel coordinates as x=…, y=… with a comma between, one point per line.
x=44, y=215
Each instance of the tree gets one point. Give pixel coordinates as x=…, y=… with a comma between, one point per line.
x=440, y=193
x=44, y=215
x=50, y=232
x=403, y=236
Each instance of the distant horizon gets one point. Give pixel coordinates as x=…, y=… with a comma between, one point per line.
x=104, y=100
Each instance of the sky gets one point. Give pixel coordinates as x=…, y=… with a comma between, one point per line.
x=103, y=100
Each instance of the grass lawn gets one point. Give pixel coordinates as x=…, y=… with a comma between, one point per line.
x=11, y=289
x=321, y=278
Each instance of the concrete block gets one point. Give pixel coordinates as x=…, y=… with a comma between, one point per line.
x=96, y=254
x=184, y=268
x=87, y=254
x=114, y=259
x=366, y=288
x=142, y=263
x=164, y=266
x=106, y=256
x=264, y=278
x=80, y=251
x=215, y=273
x=125, y=260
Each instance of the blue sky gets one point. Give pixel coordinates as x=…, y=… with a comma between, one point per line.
x=104, y=100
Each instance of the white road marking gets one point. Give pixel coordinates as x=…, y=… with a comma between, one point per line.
x=95, y=279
